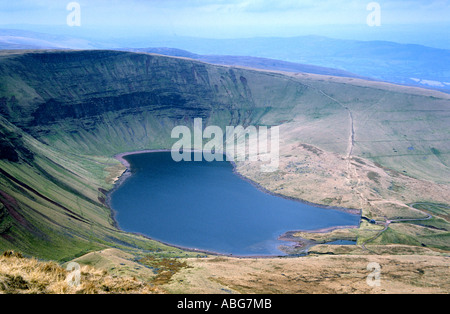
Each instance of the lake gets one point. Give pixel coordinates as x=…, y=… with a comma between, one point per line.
x=206, y=206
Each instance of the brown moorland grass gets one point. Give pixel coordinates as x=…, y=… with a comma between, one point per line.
x=20, y=275
x=315, y=274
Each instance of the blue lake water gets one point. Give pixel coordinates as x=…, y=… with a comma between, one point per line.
x=206, y=206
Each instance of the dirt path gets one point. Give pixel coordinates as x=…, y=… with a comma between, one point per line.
x=352, y=175
x=351, y=139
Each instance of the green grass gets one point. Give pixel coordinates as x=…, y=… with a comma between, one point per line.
x=437, y=209
x=414, y=235
x=391, y=236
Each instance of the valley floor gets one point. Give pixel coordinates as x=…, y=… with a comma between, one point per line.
x=315, y=274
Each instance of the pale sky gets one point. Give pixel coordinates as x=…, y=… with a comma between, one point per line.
x=231, y=18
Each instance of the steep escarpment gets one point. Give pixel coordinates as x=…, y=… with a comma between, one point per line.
x=51, y=202
x=85, y=84
x=68, y=96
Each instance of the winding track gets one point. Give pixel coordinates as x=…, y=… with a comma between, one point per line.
x=388, y=222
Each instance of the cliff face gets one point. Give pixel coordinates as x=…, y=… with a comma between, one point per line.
x=46, y=92
x=54, y=86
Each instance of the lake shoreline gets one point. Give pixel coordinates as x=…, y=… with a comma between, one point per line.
x=120, y=157
x=263, y=189
x=287, y=236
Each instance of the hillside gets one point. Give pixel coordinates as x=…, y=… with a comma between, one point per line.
x=406, y=64
x=345, y=142
x=249, y=62
x=308, y=275
x=20, y=275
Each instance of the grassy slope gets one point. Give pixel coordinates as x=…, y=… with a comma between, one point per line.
x=54, y=206
x=20, y=275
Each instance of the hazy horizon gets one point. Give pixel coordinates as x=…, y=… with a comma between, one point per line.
x=414, y=21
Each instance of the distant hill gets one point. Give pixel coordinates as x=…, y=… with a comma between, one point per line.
x=20, y=39
x=250, y=62
x=406, y=64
